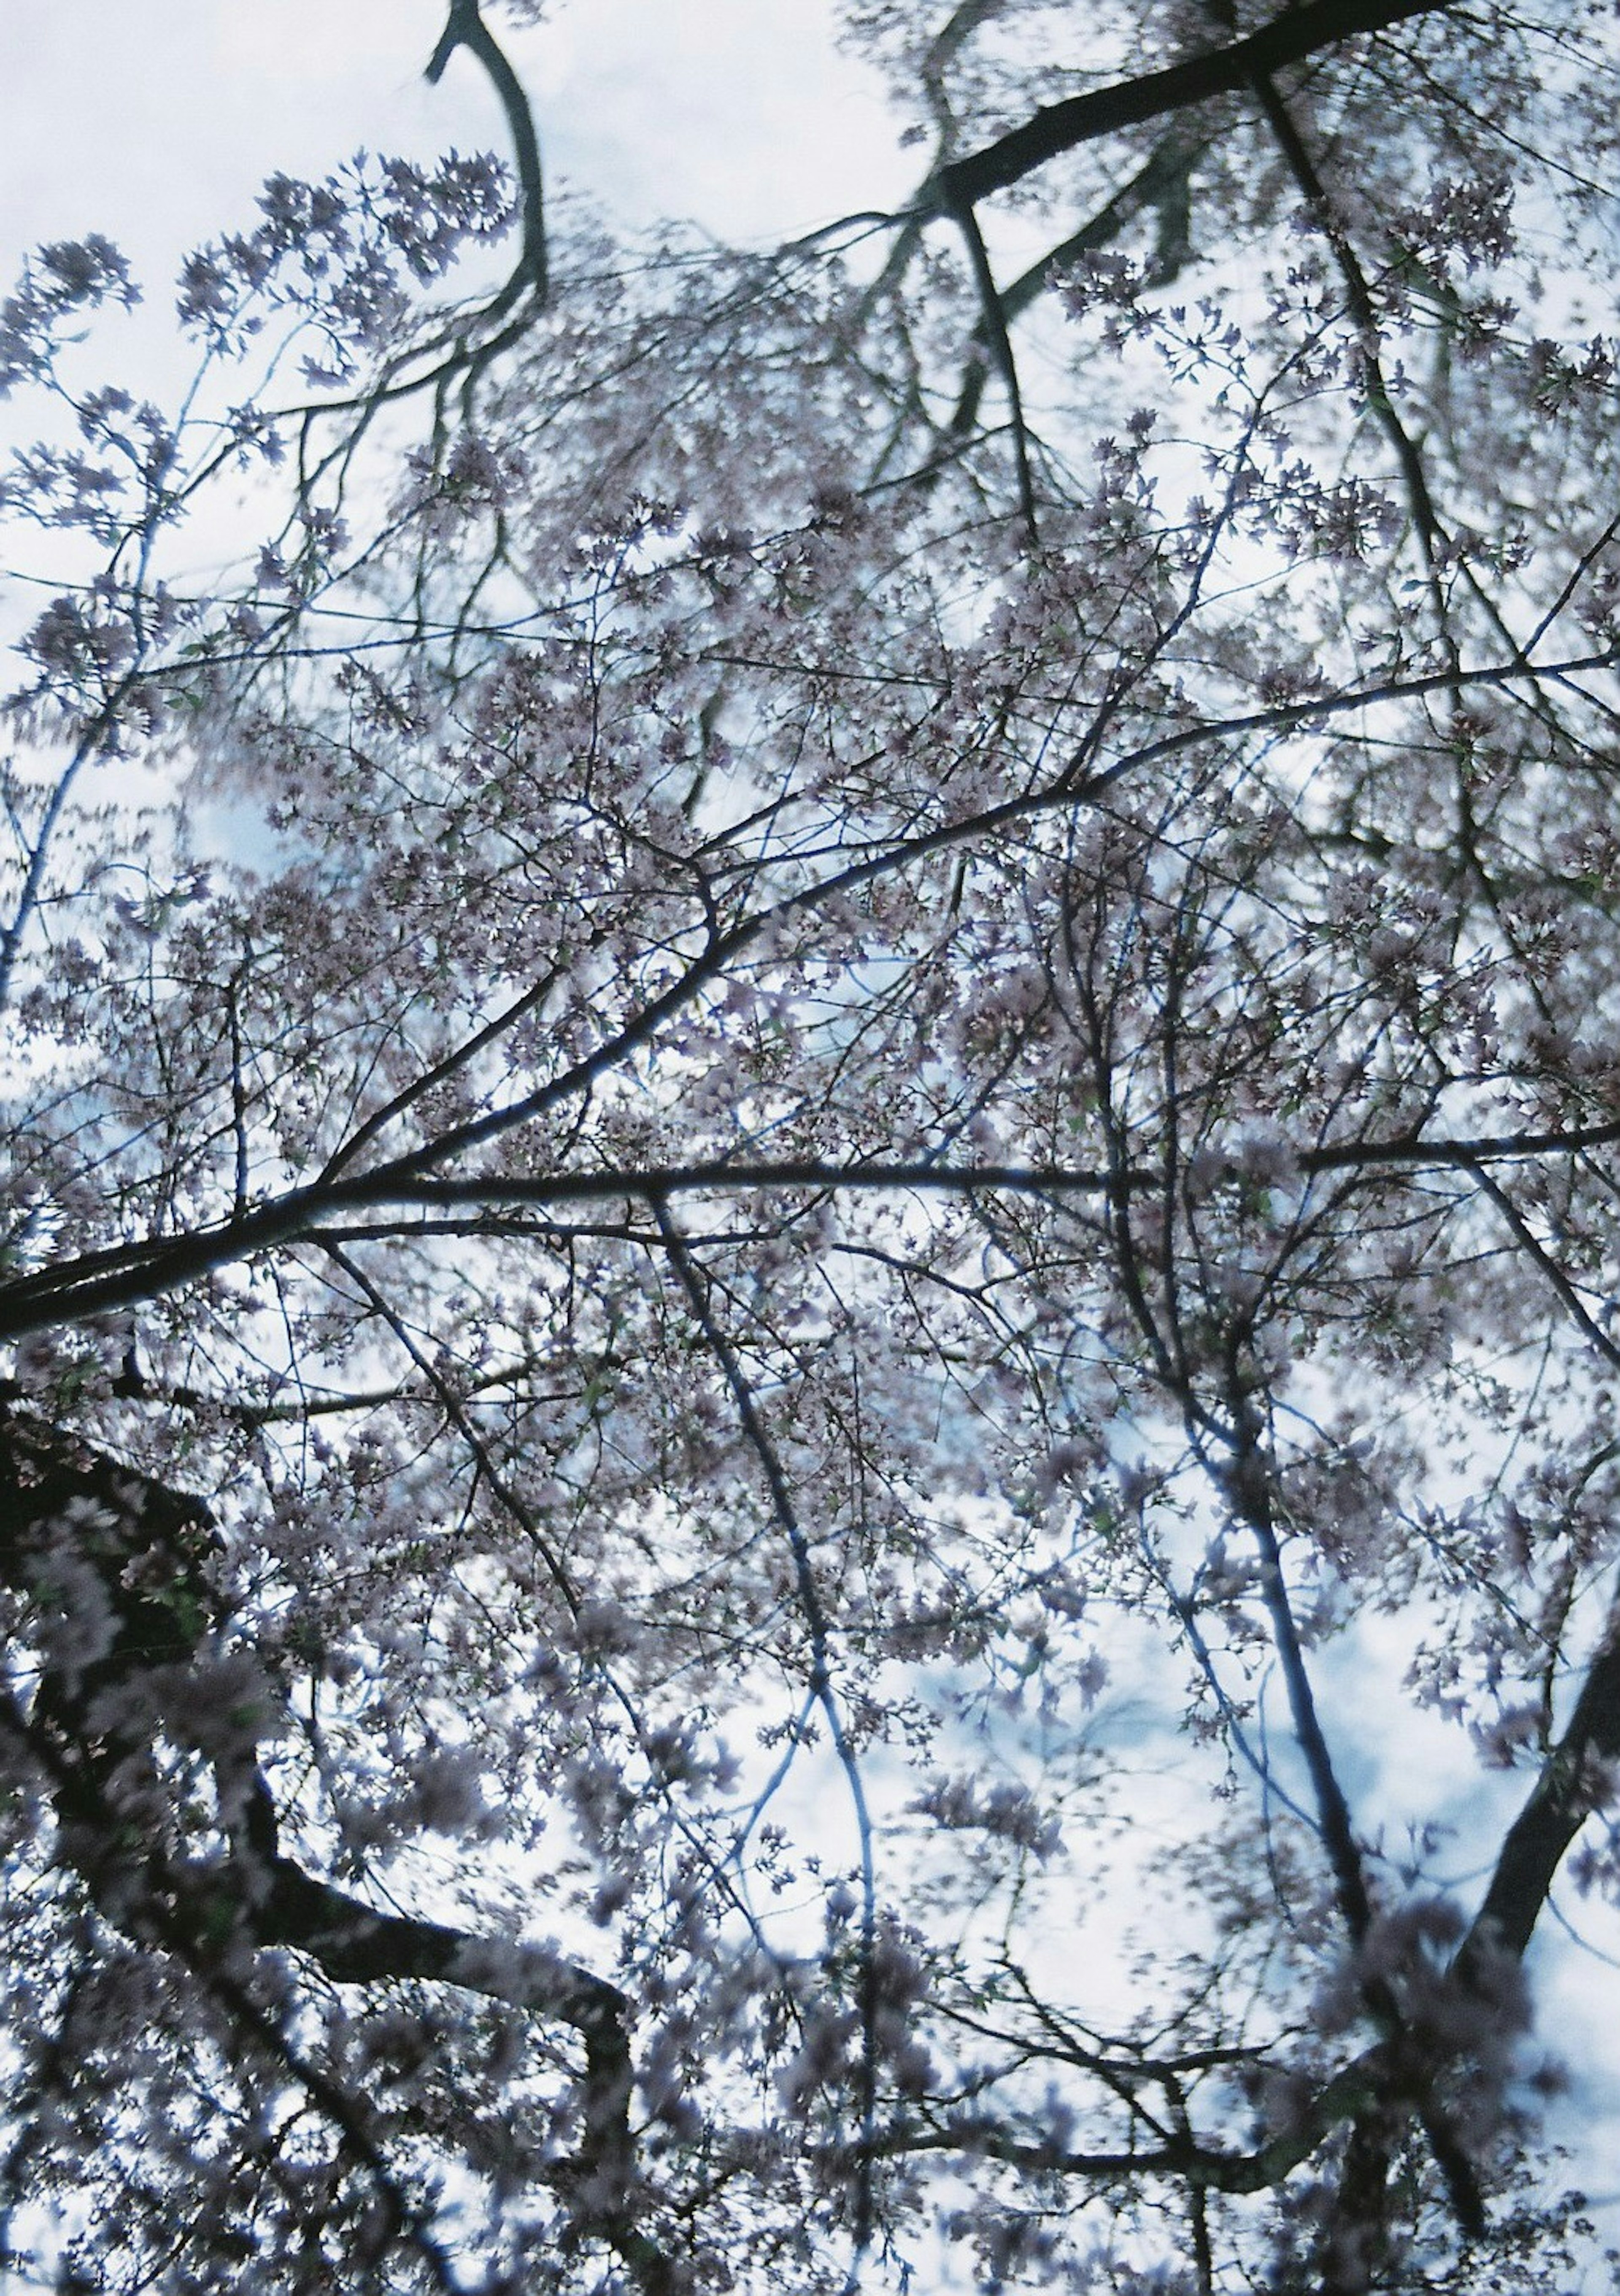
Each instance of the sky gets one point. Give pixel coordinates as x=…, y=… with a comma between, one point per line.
x=155, y=120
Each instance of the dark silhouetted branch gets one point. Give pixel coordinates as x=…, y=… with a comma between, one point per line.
x=466, y=28
x=1059, y=127
x=1575, y=1781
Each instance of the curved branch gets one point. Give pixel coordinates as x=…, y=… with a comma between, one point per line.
x=466, y=28
x=1205, y=2167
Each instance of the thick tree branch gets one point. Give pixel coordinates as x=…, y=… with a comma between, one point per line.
x=124, y=1276
x=1059, y=127
x=1575, y=1781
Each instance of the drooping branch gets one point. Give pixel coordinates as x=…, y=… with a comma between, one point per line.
x=994, y=324
x=820, y=1686
x=464, y=348
x=1319, y=205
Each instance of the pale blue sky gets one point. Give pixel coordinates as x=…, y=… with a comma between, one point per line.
x=154, y=120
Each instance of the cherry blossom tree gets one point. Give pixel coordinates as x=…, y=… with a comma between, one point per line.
x=810, y=1232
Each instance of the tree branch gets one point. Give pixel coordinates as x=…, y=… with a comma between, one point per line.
x=1573, y=1784
x=1203, y=2167
x=1059, y=127
x=466, y=28
x=124, y=1276
x=993, y=326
